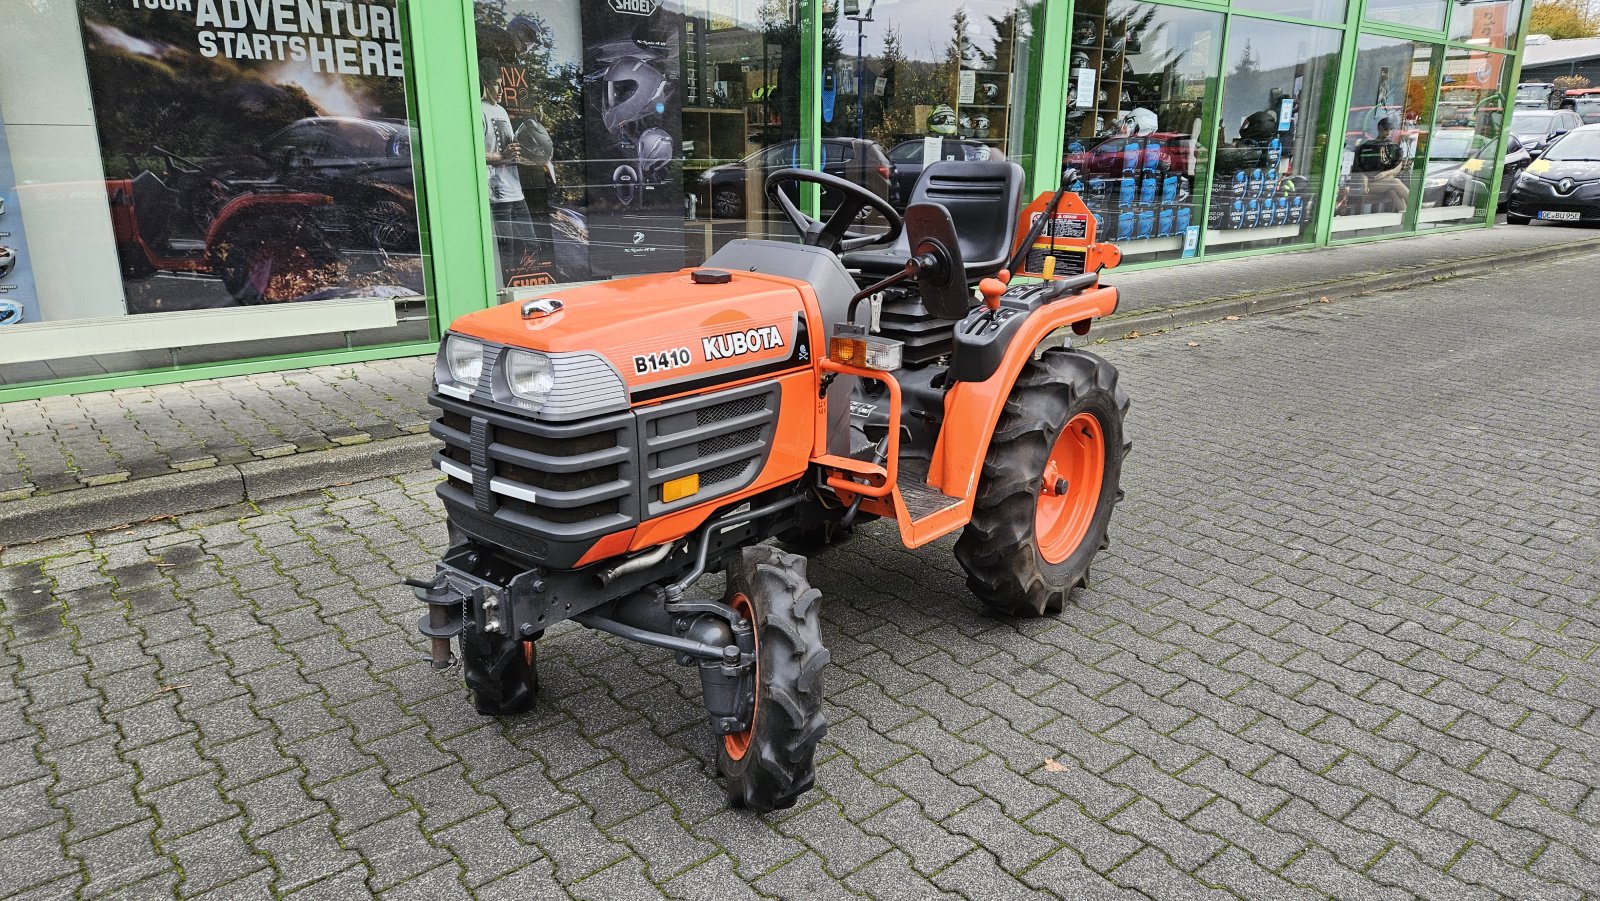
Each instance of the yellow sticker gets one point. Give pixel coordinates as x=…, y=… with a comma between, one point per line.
x=1539, y=166
x=1472, y=165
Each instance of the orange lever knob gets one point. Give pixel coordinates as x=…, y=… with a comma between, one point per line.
x=991, y=289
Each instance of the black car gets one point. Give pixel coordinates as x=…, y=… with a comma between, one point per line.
x=1537, y=127
x=722, y=189
x=1453, y=181
x=1563, y=185
x=907, y=157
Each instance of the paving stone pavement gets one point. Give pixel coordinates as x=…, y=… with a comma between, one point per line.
x=1344, y=644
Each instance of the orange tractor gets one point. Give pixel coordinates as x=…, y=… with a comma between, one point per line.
x=607, y=445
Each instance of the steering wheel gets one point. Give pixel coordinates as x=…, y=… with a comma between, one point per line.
x=833, y=234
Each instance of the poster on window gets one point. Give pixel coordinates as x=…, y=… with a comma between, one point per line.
x=632, y=132
x=255, y=152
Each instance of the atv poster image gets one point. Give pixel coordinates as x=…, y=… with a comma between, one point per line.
x=255, y=152
x=633, y=126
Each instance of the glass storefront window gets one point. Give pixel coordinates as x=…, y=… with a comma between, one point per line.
x=1428, y=14
x=629, y=138
x=927, y=80
x=1464, y=143
x=184, y=186
x=1381, y=176
x=1486, y=23
x=1277, y=104
x=1320, y=10
x=1136, y=123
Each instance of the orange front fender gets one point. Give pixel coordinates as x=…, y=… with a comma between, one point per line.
x=972, y=409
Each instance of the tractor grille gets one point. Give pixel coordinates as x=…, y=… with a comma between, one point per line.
x=722, y=438
x=565, y=480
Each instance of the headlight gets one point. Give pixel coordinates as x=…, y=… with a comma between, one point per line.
x=1526, y=178
x=459, y=366
x=529, y=376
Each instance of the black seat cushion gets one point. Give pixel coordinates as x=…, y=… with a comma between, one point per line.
x=983, y=199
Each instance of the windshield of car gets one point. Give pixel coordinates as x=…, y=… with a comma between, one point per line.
x=1535, y=122
x=909, y=152
x=1588, y=108
x=1455, y=143
x=1577, y=146
x=1532, y=92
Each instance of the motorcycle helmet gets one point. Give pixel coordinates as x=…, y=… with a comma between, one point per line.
x=527, y=31
x=625, y=179
x=655, y=153
x=634, y=88
x=1080, y=60
x=981, y=126
x=965, y=129
x=1139, y=121
x=1085, y=32
x=534, y=139
x=10, y=312
x=942, y=121
x=991, y=92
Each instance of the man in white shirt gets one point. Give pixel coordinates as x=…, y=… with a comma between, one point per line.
x=515, y=239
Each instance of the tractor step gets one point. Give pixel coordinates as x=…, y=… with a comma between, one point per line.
x=921, y=499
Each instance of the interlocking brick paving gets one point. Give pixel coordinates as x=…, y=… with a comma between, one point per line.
x=1343, y=644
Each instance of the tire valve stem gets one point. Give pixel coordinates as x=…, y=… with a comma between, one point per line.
x=1060, y=486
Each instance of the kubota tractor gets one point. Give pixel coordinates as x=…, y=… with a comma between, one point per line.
x=607, y=445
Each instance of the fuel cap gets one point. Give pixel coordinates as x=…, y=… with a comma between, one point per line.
x=711, y=276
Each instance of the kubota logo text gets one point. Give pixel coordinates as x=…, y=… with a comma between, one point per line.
x=733, y=344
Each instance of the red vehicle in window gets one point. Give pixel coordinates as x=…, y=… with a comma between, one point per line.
x=1111, y=156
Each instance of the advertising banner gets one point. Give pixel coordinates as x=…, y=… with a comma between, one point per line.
x=18, y=298
x=256, y=151
x=633, y=129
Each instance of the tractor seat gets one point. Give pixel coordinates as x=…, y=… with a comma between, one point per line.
x=983, y=199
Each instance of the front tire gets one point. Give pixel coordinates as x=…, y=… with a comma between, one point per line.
x=770, y=765
x=1048, y=485
x=502, y=674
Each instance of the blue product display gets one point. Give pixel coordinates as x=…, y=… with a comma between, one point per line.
x=1280, y=211
x=1252, y=213
x=1147, y=191
x=1132, y=155
x=1258, y=181
x=1125, y=192
x=1147, y=223
x=1125, y=227
x=1296, y=210
x=1236, y=215
x=1099, y=227
x=1169, y=189
x=1164, y=223
x=1152, y=156
x=1180, y=222
x=1075, y=147
x=1241, y=183
x=1274, y=151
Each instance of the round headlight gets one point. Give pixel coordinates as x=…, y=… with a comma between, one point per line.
x=465, y=359
x=529, y=376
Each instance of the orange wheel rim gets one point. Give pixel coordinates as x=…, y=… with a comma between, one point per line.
x=1069, y=488
x=738, y=744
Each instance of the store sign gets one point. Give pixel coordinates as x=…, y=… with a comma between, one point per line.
x=635, y=7
x=255, y=151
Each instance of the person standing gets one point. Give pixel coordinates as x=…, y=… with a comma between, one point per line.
x=516, y=242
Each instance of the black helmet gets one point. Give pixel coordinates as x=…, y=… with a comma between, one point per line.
x=1080, y=60
x=1085, y=32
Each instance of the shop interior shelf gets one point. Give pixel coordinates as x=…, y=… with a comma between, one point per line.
x=1242, y=235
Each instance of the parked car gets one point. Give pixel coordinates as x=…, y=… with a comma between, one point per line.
x=908, y=160
x=1109, y=156
x=721, y=189
x=1564, y=186
x=1458, y=178
x=1541, y=95
x=1586, y=103
x=1535, y=127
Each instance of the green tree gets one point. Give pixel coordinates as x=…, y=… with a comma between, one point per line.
x=1563, y=19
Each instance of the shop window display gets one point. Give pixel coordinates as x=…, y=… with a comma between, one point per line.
x=919, y=81
x=1464, y=142
x=247, y=161
x=1136, y=127
x=630, y=138
x=1277, y=99
x=1382, y=178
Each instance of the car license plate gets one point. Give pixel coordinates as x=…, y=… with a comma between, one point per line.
x=1561, y=215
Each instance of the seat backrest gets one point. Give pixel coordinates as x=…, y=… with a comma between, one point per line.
x=984, y=199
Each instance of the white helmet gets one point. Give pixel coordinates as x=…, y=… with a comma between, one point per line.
x=1140, y=121
x=942, y=121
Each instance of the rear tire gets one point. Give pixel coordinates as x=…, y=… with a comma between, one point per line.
x=502, y=674
x=770, y=765
x=1029, y=543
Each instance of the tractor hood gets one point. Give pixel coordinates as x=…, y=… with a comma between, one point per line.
x=666, y=333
